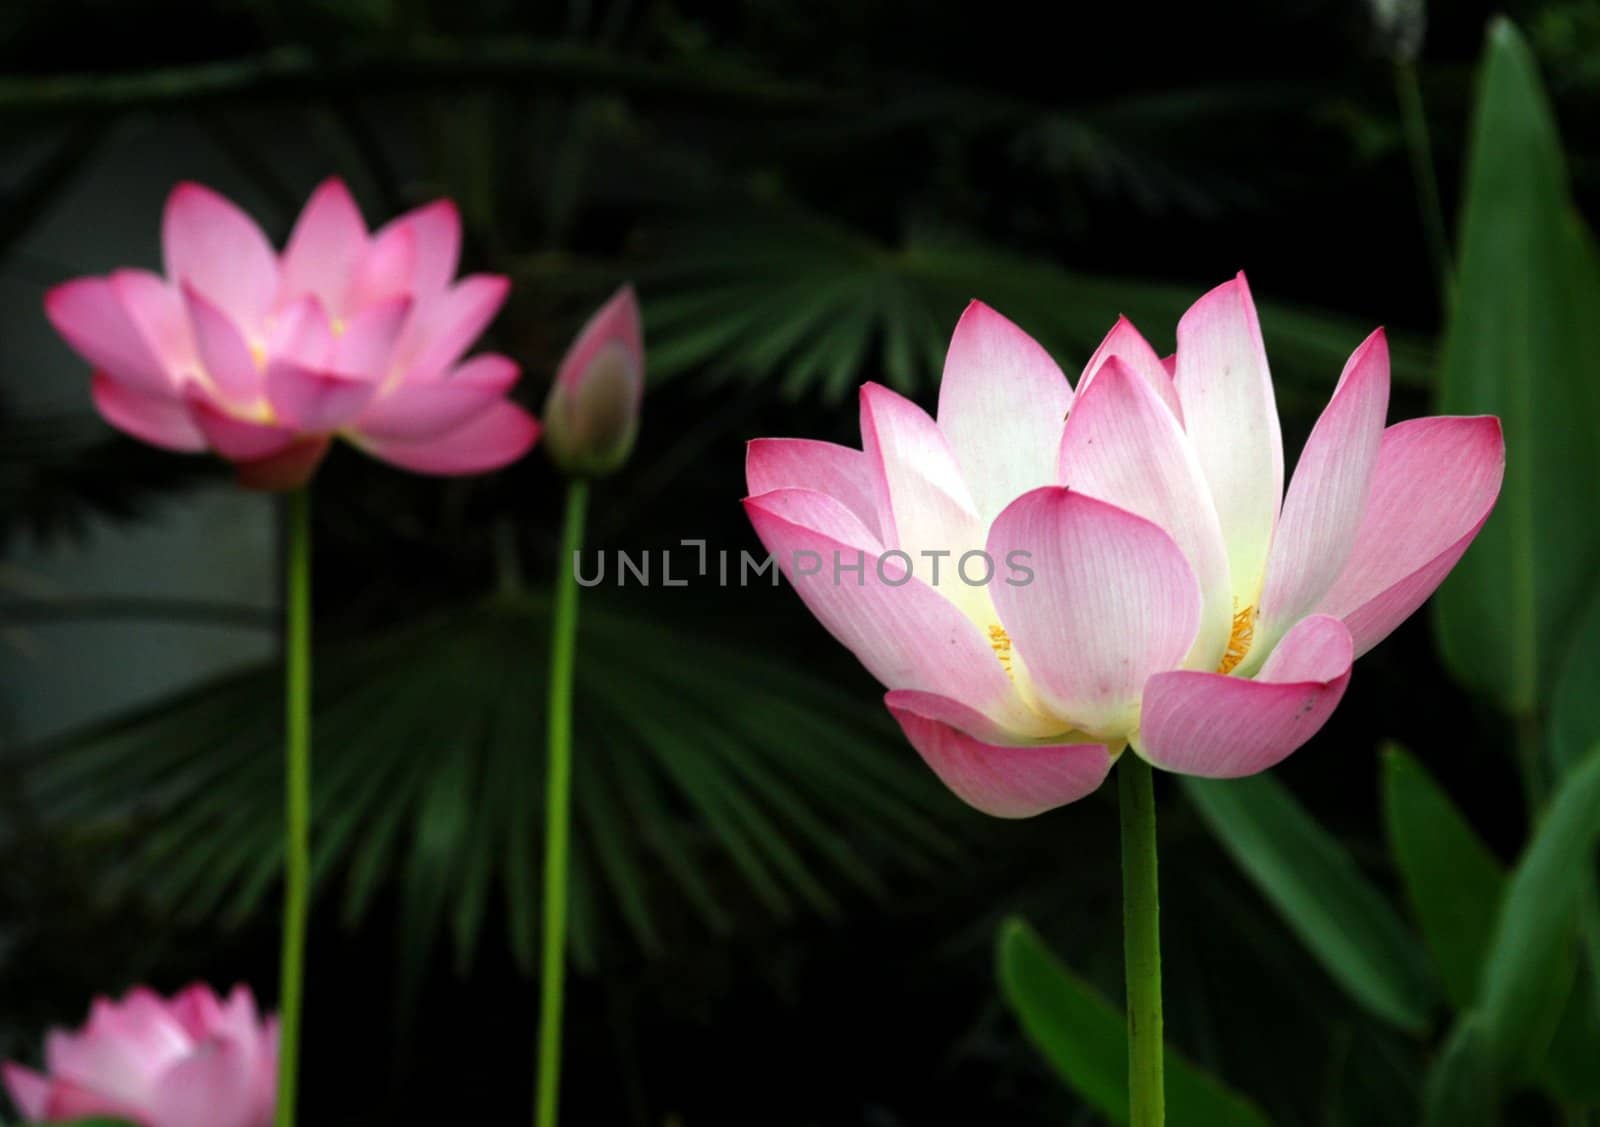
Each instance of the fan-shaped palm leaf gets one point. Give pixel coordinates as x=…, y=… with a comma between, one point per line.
x=705, y=775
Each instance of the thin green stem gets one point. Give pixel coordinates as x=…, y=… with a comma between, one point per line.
x=297, y=795
x=558, y=805
x=1141, y=924
x=1414, y=121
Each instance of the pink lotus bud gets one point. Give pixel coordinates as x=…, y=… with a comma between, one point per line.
x=192, y=1061
x=592, y=413
x=265, y=358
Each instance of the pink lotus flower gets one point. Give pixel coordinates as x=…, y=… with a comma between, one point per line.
x=264, y=358
x=193, y=1061
x=1152, y=586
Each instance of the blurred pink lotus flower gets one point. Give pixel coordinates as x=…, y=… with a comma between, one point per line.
x=193, y=1061
x=591, y=416
x=263, y=357
x=1152, y=585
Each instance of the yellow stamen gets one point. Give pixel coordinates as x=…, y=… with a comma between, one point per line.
x=338, y=326
x=1000, y=641
x=1244, y=629
x=258, y=353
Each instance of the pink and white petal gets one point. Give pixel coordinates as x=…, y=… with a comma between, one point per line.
x=236, y=439
x=1005, y=781
x=1111, y=601
x=225, y=353
x=366, y=346
x=412, y=411
x=1002, y=401
x=1231, y=418
x=29, y=1090
x=1327, y=497
x=1435, y=484
x=825, y=515
x=803, y=463
x=157, y=308
x=161, y=420
x=211, y=1088
x=289, y=468
x=267, y=1070
x=1223, y=727
x=924, y=501
x=615, y=322
x=315, y=402
x=445, y=327
x=215, y=247
x=70, y=1102
x=1122, y=445
x=383, y=273
x=905, y=633
x=327, y=242
x=88, y=313
x=435, y=230
x=303, y=333
x=197, y=1009
x=492, y=439
x=1126, y=343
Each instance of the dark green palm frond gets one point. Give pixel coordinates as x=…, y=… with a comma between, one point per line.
x=57, y=471
x=817, y=309
x=706, y=777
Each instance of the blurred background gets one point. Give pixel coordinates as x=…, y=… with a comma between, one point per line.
x=780, y=918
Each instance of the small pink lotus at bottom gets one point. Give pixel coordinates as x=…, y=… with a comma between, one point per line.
x=195, y=1060
x=1122, y=567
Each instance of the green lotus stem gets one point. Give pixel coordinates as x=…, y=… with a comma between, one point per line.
x=1141, y=922
x=297, y=796
x=558, y=808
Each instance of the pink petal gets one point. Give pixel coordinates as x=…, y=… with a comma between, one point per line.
x=158, y=310
x=492, y=439
x=198, y=1010
x=803, y=463
x=1126, y=343
x=1002, y=401
x=302, y=332
x=1003, y=781
x=88, y=313
x=615, y=322
x=444, y=328
x=435, y=231
x=1435, y=484
x=28, y=1089
x=1111, y=601
x=384, y=272
x=412, y=411
x=236, y=439
x=905, y=633
x=214, y=246
x=317, y=402
x=214, y=1087
x=1232, y=420
x=119, y=1052
x=367, y=344
x=70, y=1102
x=224, y=351
x=1222, y=727
x=328, y=240
x=1327, y=497
x=925, y=504
x=161, y=420
x=1122, y=445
